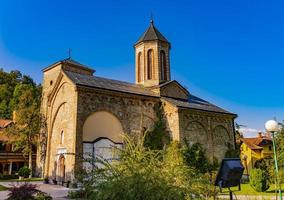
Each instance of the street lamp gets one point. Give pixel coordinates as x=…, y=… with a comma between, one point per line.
x=272, y=126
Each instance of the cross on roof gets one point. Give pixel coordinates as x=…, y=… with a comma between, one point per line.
x=69, y=53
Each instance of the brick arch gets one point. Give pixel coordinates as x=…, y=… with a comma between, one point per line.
x=102, y=124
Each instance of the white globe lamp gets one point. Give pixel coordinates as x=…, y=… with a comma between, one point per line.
x=272, y=126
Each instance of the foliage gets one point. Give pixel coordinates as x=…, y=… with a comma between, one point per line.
x=259, y=180
x=25, y=191
x=158, y=138
x=143, y=174
x=24, y=133
x=8, y=177
x=24, y=172
x=77, y=194
x=279, y=141
x=232, y=152
x=195, y=156
x=42, y=196
x=8, y=83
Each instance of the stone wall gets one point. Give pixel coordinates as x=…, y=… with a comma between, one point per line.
x=214, y=131
x=60, y=117
x=171, y=117
x=135, y=113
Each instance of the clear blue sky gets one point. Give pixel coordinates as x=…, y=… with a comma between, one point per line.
x=228, y=52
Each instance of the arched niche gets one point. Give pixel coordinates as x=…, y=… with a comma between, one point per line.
x=221, y=139
x=196, y=133
x=102, y=124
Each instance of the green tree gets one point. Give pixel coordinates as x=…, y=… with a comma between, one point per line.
x=8, y=82
x=24, y=133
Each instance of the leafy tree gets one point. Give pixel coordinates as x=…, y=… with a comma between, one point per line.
x=8, y=83
x=24, y=133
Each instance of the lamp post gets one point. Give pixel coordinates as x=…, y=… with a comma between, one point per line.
x=272, y=126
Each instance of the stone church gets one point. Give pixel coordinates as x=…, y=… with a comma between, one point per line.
x=88, y=114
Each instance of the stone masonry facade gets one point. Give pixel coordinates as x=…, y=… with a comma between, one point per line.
x=73, y=96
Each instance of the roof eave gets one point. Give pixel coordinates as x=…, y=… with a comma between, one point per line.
x=125, y=92
x=211, y=111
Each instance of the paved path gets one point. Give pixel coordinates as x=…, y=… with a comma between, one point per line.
x=56, y=191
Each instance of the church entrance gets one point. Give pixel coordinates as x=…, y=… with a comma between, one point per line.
x=102, y=136
x=61, y=168
x=101, y=150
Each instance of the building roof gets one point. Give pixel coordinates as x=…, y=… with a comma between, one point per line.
x=4, y=123
x=152, y=33
x=126, y=87
x=71, y=62
x=196, y=103
x=109, y=84
x=257, y=142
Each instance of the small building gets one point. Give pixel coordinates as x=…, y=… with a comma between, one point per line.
x=255, y=149
x=10, y=161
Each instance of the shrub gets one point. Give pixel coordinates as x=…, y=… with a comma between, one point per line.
x=142, y=174
x=259, y=180
x=7, y=177
x=42, y=196
x=76, y=194
x=195, y=157
x=24, y=172
x=23, y=192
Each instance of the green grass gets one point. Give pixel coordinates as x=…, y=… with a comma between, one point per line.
x=246, y=189
x=23, y=180
x=3, y=188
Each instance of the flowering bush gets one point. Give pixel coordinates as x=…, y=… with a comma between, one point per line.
x=23, y=192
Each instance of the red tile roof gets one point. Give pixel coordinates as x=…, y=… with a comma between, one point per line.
x=257, y=142
x=4, y=123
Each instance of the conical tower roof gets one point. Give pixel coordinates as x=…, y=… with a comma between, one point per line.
x=152, y=33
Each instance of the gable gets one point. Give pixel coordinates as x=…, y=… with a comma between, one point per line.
x=62, y=78
x=174, y=90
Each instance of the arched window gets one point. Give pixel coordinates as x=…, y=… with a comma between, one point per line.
x=61, y=137
x=139, y=66
x=163, y=65
x=149, y=64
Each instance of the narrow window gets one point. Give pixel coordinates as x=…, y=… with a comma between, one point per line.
x=139, y=66
x=149, y=64
x=163, y=65
x=61, y=137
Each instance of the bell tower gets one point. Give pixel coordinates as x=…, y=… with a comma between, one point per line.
x=152, y=58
